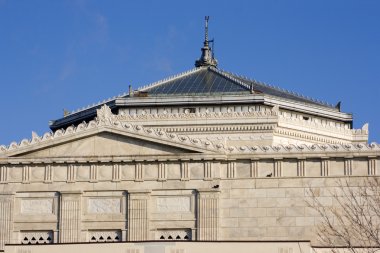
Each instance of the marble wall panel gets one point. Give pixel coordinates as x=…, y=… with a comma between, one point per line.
x=265, y=168
x=60, y=172
x=174, y=170
x=360, y=167
x=15, y=173
x=150, y=171
x=83, y=172
x=289, y=168
x=196, y=170
x=105, y=172
x=127, y=171
x=37, y=173
x=104, y=205
x=336, y=167
x=36, y=206
x=313, y=168
x=243, y=169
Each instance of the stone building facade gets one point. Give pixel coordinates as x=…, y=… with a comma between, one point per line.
x=203, y=156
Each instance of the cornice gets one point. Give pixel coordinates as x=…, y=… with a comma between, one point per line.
x=107, y=120
x=196, y=116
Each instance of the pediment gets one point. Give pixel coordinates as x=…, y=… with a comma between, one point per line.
x=105, y=144
x=107, y=136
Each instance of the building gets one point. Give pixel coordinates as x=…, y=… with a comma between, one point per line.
x=205, y=156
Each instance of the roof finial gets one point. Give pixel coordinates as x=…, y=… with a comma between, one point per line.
x=206, y=30
x=207, y=57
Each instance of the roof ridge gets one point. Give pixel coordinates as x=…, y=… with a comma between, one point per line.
x=104, y=101
x=170, y=78
x=231, y=78
x=323, y=103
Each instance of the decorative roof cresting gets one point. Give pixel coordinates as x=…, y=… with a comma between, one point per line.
x=207, y=57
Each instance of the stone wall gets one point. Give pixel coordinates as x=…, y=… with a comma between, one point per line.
x=197, y=198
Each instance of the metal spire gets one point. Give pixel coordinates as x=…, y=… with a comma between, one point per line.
x=207, y=58
x=206, y=30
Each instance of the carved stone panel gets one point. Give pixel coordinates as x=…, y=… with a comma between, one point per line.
x=36, y=237
x=104, y=236
x=36, y=206
x=104, y=205
x=173, y=204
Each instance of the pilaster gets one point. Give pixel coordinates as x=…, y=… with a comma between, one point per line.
x=208, y=215
x=6, y=218
x=231, y=169
x=254, y=169
x=94, y=173
x=71, y=173
x=277, y=168
x=116, y=173
x=138, y=220
x=301, y=167
x=48, y=175
x=371, y=166
x=325, y=166
x=162, y=171
x=3, y=174
x=208, y=175
x=70, y=217
x=139, y=172
x=348, y=166
x=185, y=172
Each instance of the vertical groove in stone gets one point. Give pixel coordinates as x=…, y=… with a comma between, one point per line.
x=254, y=168
x=116, y=172
x=25, y=174
x=162, y=171
x=71, y=173
x=301, y=168
x=231, y=169
x=208, y=216
x=324, y=167
x=3, y=174
x=277, y=168
x=348, y=167
x=93, y=173
x=371, y=166
x=48, y=176
x=185, y=174
x=139, y=172
x=70, y=219
x=6, y=220
x=207, y=170
x=137, y=217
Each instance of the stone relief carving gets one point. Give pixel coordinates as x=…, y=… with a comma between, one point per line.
x=173, y=204
x=104, y=205
x=175, y=234
x=105, y=117
x=36, y=206
x=36, y=237
x=104, y=236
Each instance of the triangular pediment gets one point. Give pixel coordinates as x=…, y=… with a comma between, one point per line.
x=105, y=144
x=107, y=136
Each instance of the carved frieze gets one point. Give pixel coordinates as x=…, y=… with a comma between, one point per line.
x=104, y=205
x=173, y=204
x=36, y=206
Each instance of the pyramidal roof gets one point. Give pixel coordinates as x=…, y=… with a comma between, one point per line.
x=208, y=80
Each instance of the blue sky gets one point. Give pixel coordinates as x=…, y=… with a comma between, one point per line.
x=69, y=54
